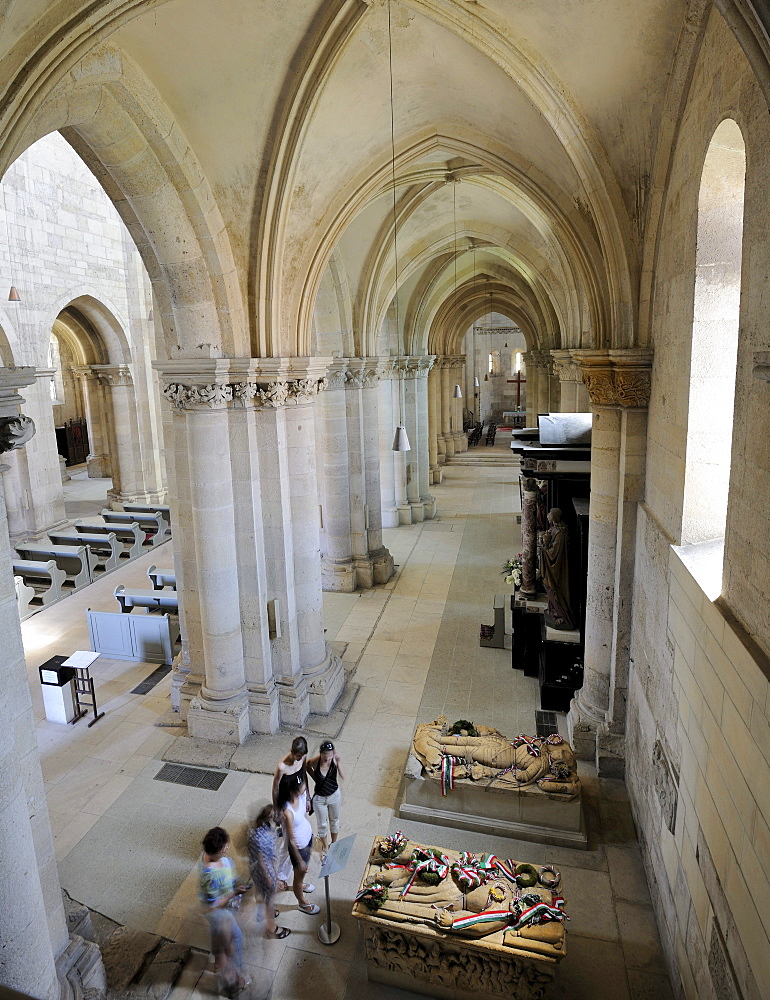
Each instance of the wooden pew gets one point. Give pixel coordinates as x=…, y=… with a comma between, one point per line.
x=77, y=561
x=162, y=578
x=150, y=600
x=143, y=508
x=154, y=525
x=130, y=534
x=24, y=595
x=104, y=548
x=46, y=578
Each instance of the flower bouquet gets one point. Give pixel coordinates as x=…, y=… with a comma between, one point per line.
x=512, y=571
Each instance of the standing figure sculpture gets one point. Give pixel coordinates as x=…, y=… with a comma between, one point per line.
x=555, y=571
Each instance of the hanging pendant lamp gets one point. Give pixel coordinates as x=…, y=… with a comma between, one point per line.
x=13, y=295
x=476, y=382
x=458, y=393
x=400, y=440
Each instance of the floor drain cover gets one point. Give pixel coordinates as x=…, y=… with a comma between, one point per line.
x=154, y=678
x=546, y=723
x=195, y=777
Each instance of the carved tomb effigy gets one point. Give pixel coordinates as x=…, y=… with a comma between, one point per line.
x=460, y=925
x=475, y=778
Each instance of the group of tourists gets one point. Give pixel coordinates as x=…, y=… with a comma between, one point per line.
x=280, y=844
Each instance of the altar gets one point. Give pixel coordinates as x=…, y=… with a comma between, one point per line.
x=458, y=925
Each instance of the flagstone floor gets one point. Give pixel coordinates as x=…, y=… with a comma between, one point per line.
x=127, y=845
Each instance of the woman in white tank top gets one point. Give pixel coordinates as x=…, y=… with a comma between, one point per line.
x=298, y=833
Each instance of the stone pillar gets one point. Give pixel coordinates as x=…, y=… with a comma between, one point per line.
x=412, y=429
x=543, y=363
x=529, y=495
x=33, y=928
x=128, y=484
x=99, y=461
x=618, y=384
x=379, y=557
x=447, y=387
x=573, y=395
x=33, y=485
x=388, y=419
x=434, y=415
x=458, y=436
x=532, y=381
x=421, y=376
x=337, y=570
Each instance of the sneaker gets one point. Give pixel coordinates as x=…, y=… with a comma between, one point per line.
x=311, y=908
x=308, y=887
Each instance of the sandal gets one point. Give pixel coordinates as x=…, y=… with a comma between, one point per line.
x=280, y=933
x=311, y=908
x=308, y=887
x=277, y=912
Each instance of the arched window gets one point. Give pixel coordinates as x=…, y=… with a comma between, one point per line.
x=714, y=344
x=515, y=362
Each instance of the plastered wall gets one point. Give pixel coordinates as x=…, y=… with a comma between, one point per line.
x=698, y=732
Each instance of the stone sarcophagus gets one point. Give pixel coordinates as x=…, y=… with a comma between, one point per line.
x=475, y=778
x=459, y=925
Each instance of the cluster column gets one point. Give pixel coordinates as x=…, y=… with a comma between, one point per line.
x=338, y=573
x=436, y=452
x=618, y=384
x=99, y=461
x=380, y=559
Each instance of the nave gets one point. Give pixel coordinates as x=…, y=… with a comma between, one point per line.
x=126, y=845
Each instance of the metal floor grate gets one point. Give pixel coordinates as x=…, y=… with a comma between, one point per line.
x=195, y=777
x=546, y=723
x=150, y=681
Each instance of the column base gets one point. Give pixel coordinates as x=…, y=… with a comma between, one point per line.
x=404, y=514
x=436, y=475
x=591, y=740
x=230, y=726
x=428, y=507
x=293, y=701
x=116, y=498
x=449, y=445
x=390, y=518
x=418, y=511
x=264, y=710
x=338, y=577
x=325, y=683
x=80, y=969
x=383, y=566
x=364, y=572
x=99, y=467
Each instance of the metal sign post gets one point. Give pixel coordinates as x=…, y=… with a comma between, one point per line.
x=336, y=859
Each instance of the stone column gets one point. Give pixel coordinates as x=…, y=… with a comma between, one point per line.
x=573, y=395
x=337, y=570
x=388, y=418
x=532, y=391
x=379, y=557
x=422, y=374
x=125, y=442
x=460, y=439
x=358, y=371
x=544, y=367
x=434, y=414
x=99, y=461
x=33, y=486
x=33, y=928
x=410, y=369
x=618, y=384
x=447, y=387
x=529, y=494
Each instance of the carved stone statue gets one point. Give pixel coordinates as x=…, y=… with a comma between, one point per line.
x=15, y=432
x=483, y=754
x=555, y=571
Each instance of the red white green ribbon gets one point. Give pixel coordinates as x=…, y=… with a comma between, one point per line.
x=468, y=872
x=542, y=914
x=447, y=774
x=424, y=863
x=485, y=917
x=532, y=743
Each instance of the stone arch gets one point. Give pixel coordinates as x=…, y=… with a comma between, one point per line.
x=101, y=327
x=116, y=121
x=9, y=344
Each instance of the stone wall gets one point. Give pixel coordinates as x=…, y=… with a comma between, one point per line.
x=698, y=735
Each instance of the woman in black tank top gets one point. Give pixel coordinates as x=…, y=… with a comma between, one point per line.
x=326, y=772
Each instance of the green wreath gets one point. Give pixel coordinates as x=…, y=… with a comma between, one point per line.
x=526, y=876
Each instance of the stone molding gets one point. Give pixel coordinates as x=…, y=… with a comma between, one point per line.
x=761, y=369
x=45, y=372
x=566, y=367
x=258, y=382
x=450, y=361
x=83, y=372
x=617, y=377
x=113, y=375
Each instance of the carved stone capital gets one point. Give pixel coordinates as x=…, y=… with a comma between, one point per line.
x=83, y=372
x=566, y=367
x=15, y=432
x=219, y=395
x=617, y=377
x=113, y=375
x=543, y=362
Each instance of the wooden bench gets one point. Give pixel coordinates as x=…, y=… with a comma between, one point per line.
x=45, y=577
x=77, y=561
x=143, y=508
x=150, y=600
x=154, y=525
x=162, y=578
x=24, y=595
x=130, y=534
x=104, y=548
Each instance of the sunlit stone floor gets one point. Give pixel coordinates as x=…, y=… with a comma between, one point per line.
x=127, y=845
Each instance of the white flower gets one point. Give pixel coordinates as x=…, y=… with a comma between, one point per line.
x=510, y=580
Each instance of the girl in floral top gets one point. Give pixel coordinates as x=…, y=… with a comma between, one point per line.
x=216, y=890
x=262, y=854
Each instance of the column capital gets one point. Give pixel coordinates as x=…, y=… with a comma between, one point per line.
x=617, y=377
x=566, y=366
x=16, y=429
x=203, y=384
x=543, y=361
x=113, y=375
